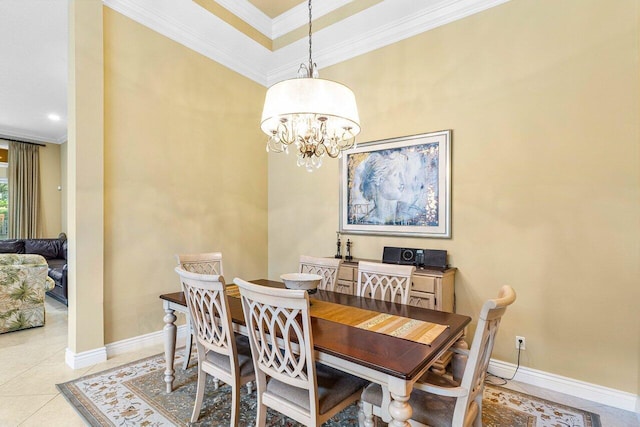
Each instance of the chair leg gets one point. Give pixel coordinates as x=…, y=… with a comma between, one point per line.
x=261, y=415
x=235, y=404
x=477, y=422
x=250, y=387
x=187, y=347
x=368, y=420
x=202, y=378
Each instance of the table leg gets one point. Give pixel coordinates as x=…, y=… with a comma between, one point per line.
x=459, y=361
x=399, y=407
x=169, y=345
x=399, y=410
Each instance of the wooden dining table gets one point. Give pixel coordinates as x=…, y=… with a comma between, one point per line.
x=395, y=363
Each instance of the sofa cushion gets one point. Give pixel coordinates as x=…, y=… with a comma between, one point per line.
x=56, y=264
x=12, y=247
x=56, y=274
x=48, y=248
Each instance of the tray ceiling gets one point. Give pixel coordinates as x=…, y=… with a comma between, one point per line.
x=272, y=36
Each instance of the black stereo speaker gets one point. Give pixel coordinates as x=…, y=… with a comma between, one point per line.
x=407, y=256
x=435, y=258
x=417, y=257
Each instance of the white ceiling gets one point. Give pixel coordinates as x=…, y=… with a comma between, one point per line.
x=33, y=74
x=34, y=38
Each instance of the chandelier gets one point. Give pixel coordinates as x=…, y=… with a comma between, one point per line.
x=319, y=116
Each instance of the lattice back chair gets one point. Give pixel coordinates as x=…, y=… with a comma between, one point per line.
x=440, y=401
x=388, y=282
x=205, y=263
x=325, y=267
x=287, y=378
x=220, y=352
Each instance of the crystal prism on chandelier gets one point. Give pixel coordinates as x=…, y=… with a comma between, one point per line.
x=319, y=116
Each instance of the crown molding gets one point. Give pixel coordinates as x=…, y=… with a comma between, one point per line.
x=30, y=137
x=250, y=14
x=385, y=23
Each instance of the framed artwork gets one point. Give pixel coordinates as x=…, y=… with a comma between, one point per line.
x=399, y=186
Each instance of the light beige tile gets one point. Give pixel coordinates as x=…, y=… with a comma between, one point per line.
x=55, y=413
x=30, y=346
x=41, y=379
x=16, y=409
x=10, y=370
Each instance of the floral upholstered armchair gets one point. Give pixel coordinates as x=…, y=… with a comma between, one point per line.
x=23, y=282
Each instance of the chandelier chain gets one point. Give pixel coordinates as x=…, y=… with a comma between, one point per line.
x=310, y=60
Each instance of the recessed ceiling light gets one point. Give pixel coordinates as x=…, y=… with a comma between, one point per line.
x=54, y=117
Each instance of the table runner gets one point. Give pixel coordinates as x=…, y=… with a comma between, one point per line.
x=396, y=326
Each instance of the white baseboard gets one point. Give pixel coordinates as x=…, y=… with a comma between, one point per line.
x=98, y=355
x=142, y=341
x=85, y=358
x=596, y=393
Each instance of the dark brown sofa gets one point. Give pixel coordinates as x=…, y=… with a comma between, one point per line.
x=54, y=251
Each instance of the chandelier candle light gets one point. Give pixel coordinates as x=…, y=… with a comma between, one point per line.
x=319, y=116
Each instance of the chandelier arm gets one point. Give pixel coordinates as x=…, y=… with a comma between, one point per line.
x=285, y=134
x=332, y=153
x=319, y=132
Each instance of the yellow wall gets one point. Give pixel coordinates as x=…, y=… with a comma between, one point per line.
x=50, y=197
x=185, y=171
x=63, y=184
x=542, y=97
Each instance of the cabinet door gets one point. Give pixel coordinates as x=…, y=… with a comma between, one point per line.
x=423, y=283
x=421, y=299
x=344, y=286
x=346, y=273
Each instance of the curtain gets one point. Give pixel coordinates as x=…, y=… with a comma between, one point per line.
x=24, y=190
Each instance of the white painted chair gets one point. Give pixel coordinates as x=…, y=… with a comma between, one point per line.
x=220, y=353
x=440, y=401
x=388, y=282
x=325, y=267
x=288, y=379
x=205, y=263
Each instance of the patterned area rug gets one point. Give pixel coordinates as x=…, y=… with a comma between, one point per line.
x=134, y=395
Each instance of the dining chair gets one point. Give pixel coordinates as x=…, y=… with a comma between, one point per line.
x=325, y=267
x=204, y=263
x=440, y=401
x=220, y=353
x=388, y=282
x=288, y=379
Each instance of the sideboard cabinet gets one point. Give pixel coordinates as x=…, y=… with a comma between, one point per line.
x=430, y=288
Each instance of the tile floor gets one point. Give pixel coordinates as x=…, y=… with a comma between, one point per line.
x=32, y=363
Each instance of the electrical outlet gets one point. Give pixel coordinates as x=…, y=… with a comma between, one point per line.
x=520, y=343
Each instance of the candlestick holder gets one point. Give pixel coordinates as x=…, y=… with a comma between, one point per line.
x=339, y=245
x=348, y=257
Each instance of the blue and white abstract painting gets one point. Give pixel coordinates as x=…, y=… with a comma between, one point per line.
x=397, y=186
